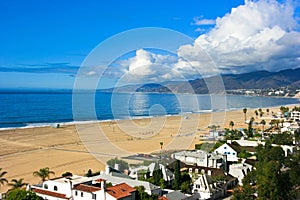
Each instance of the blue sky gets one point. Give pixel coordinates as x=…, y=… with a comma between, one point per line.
x=43, y=43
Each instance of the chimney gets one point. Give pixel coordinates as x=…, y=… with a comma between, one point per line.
x=107, y=169
x=103, y=193
x=209, y=173
x=103, y=185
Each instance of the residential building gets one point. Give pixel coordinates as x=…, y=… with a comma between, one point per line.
x=200, y=158
x=207, y=188
x=139, y=171
x=250, y=146
x=240, y=170
x=117, y=178
x=232, y=150
x=177, y=195
x=214, y=184
x=295, y=115
x=229, y=150
x=82, y=188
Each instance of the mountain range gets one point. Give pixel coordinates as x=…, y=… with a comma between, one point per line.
x=253, y=80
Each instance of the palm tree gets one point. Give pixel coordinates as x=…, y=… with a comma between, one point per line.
x=256, y=113
x=161, y=145
x=259, y=110
x=261, y=113
x=17, y=183
x=43, y=173
x=213, y=127
x=2, y=179
x=263, y=123
x=231, y=124
x=245, y=112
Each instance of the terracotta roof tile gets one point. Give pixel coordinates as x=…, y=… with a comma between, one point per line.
x=99, y=180
x=49, y=193
x=86, y=188
x=120, y=191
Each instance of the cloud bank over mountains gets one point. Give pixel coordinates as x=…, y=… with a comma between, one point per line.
x=259, y=35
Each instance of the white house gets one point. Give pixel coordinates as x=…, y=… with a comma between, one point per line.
x=295, y=115
x=167, y=174
x=288, y=149
x=229, y=150
x=59, y=188
x=82, y=188
x=200, y=158
x=207, y=188
x=116, y=178
x=240, y=170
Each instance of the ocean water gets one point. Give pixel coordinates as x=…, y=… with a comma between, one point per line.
x=21, y=109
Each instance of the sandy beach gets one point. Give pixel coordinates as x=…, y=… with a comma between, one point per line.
x=67, y=148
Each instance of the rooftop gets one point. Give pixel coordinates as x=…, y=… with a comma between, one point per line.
x=86, y=188
x=120, y=191
x=75, y=179
x=49, y=193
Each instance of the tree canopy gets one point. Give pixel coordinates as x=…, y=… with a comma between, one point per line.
x=20, y=194
x=122, y=164
x=275, y=177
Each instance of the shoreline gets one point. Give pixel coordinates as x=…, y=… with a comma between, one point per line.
x=62, y=149
x=69, y=123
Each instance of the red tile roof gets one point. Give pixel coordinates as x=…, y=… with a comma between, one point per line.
x=120, y=191
x=86, y=188
x=49, y=193
x=99, y=180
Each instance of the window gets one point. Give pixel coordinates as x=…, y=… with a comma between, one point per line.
x=76, y=193
x=55, y=188
x=81, y=194
x=94, y=196
x=46, y=186
x=225, y=147
x=228, y=153
x=233, y=153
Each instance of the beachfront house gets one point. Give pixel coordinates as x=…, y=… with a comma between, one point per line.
x=200, y=158
x=82, y=188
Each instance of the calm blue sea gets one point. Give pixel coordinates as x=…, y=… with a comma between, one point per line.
x=21, y=109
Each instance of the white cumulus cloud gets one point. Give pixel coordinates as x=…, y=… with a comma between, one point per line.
x=253, y=36
x=257, y=35
x=200, y=21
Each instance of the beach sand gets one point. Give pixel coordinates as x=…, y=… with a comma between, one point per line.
x=67, y=148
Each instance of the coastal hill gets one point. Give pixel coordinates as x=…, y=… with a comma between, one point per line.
x=254, y=80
